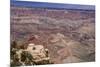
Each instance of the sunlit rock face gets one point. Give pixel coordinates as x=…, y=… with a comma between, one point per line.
x=37, y=51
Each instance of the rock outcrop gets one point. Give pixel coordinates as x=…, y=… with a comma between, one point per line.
x=33, y=55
